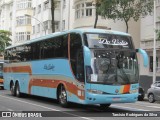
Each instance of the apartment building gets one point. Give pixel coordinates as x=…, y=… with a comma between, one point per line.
x=6, y=8
x=147, y=37
x=84, y=17
x=13, y=18
x=41, y=19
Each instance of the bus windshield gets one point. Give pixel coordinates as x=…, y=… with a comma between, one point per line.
x=113, y=61
x=1, y=69
x=108, y=41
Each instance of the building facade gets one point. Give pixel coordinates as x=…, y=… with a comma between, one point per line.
x=147, y=38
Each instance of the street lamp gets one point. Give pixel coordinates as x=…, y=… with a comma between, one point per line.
x=154, y=45
x=38, y=21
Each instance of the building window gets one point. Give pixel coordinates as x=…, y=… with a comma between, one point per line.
x=34, y=11
x=38, y=28
x=39, y=8
x=63, y=25
x=57, y=4
x=56, y=23
x=64, y=3
x=46, y=5
x=45, y=23
x=151, y=64
x=22, y=36
x=88, y=12
x=23, y=4
x=23, y=20
x=33, y=29
x=84, y=9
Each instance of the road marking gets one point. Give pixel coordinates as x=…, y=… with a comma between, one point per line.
x=153, y=107
x=9, y=109
x=47, y=108
x=129, y=108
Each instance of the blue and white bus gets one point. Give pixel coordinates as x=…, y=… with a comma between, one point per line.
x=85, y=66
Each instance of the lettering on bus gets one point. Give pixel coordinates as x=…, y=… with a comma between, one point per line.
x=49, y=67
x=112, y=42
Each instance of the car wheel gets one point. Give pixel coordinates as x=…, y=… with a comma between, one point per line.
x=151, y=98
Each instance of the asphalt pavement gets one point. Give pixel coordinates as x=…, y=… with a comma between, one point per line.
x=33, y=105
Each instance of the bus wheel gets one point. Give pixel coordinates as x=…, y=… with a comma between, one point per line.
x=18, y=94
x=62, y=96
x=104, y=106
x=12, y=89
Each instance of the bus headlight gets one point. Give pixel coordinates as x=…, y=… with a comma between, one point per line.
x=95, y=91
x=133, y=91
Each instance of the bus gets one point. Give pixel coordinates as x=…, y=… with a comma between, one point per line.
x=84, y=66
x=1, y=75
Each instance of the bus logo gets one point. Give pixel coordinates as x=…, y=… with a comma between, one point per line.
x=116, y=91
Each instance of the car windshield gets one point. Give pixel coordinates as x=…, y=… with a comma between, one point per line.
x=114, y=67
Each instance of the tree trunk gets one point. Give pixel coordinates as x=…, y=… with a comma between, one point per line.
x=96, y=19
x=126, y=26
x=52, y=14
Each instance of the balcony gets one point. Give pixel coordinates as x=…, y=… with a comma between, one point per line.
x=149, y=44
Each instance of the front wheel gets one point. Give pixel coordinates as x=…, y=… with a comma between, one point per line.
x=151, y=98
x=104, y=106
x=62, y=97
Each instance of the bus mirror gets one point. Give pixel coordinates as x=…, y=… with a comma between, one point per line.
x=144, y=55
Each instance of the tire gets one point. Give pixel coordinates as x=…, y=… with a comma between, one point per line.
x=104, y=106
x=151, y=98
x=12, y=89
x=62, y=96
x=17, y=90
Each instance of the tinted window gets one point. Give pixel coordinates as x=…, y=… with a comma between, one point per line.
x=54, y=48
x=76, y=56
x=50, y=48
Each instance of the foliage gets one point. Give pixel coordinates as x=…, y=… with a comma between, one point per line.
x=125, y=9
x=158, y=33
x=4, y=39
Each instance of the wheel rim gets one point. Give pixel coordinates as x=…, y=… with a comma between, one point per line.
x=17, y=90
x=151, y=98
x=12, y=89
x=63, y=97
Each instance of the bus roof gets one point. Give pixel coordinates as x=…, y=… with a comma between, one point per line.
x=80, y=30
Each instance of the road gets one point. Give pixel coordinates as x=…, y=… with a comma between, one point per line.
x=79, y=112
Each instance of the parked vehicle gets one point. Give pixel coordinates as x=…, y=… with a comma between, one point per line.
x=153, y=93
x=141, y=93
x=1, y=75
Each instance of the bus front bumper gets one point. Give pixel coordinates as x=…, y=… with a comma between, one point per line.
x=107, y=99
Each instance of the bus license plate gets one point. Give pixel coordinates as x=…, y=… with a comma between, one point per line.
x=116, y=99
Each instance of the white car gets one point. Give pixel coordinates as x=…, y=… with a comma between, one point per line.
x=153, y=93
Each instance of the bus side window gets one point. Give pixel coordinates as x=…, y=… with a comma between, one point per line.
x=76, y=56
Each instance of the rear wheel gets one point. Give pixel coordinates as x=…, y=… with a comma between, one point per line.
x=62, y=96
x=104, y=106
x=18, y=94
x=151, y=98
x=12, y=89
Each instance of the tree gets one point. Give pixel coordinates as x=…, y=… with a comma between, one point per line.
x=125, y=9
x=4, y=40
x=158, y=33
x=52, y=13
x=98, y=10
